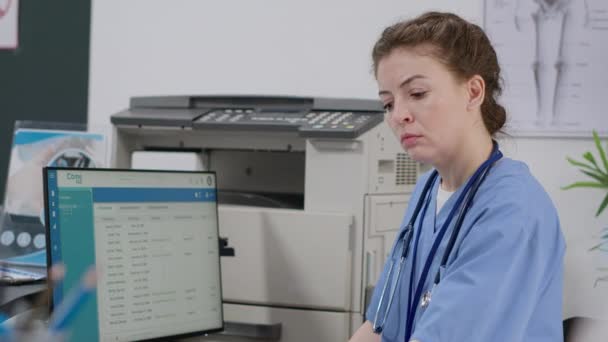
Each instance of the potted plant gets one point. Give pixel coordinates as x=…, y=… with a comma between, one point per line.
x=597, y=171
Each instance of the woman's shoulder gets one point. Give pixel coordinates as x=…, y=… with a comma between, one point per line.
x=510, y=185
x=514, y=176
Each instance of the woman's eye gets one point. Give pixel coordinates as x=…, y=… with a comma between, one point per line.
x=388, y=107
x=418, y=95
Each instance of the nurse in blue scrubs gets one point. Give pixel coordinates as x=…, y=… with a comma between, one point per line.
x=480, y=254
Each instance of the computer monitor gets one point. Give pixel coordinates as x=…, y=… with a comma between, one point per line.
x=153, y=236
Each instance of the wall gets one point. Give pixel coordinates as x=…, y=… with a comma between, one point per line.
x=146, y=47
x=46, y=77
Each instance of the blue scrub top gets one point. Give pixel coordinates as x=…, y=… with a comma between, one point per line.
x=503, y=281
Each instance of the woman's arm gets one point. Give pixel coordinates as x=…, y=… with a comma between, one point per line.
x=365, y=333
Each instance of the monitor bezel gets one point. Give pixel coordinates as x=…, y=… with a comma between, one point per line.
x=47, y=230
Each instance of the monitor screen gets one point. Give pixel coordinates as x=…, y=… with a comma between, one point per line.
x=153, y=236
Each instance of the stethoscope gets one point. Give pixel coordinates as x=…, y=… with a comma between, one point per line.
x=462, y=205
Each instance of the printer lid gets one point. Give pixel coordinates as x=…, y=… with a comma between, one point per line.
x=262, y=102
x=309, y=116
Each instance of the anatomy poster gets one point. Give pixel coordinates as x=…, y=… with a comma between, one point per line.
x=554, y=59
x=8, y=24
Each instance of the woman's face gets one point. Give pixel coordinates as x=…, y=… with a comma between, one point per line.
x=426, y=107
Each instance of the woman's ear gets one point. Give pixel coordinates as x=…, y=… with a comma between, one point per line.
x=476, y=91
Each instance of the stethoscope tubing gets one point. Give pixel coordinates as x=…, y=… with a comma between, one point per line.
x=471, y=187
x=462, y=205
x=468, y=202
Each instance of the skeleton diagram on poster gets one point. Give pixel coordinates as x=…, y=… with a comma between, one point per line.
x=8, y=24
x=554, y=57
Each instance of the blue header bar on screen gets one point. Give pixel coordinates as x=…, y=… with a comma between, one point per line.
x=108, y=195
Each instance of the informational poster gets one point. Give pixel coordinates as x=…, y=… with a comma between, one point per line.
x=36, y=145
x=9, y=24
x=554, y=59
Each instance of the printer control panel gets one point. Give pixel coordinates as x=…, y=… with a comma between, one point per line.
x=314, y=124
x=339, y=124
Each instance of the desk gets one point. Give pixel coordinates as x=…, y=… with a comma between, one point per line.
x=30, y=293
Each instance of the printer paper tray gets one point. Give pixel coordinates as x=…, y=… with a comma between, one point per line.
x=288, y=258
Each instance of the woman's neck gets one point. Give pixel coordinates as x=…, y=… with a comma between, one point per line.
x=467, y=159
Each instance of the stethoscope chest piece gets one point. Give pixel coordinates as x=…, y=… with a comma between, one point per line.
x=426, y=299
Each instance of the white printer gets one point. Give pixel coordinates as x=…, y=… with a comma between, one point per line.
x=311, y=191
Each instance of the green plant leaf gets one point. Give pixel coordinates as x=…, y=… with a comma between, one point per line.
x=585, y=166
x=596, y=247
x=584, y=185
x=601, y=179
x=600, y=150
x=587, y=155
x=602, y=206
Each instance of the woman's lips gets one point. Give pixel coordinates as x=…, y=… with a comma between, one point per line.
x=410, y=140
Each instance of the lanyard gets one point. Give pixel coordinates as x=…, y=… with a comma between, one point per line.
x=470, y=188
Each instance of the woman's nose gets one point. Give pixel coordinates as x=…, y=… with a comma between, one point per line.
x=401, y=114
